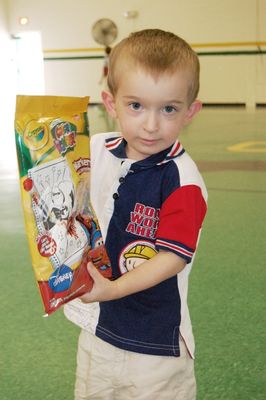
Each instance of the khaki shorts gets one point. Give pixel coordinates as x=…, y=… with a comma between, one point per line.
x=105, y=372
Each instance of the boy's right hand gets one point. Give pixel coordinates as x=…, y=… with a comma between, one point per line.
x=102, y=290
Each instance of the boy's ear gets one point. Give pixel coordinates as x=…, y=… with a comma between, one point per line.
x=194, y=108
x=109, y=103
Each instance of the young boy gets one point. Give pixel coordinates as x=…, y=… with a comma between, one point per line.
x=150, y=200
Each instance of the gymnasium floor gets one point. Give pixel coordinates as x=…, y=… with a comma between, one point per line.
x=227, y=285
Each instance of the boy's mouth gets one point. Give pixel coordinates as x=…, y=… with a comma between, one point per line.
x=148, y=141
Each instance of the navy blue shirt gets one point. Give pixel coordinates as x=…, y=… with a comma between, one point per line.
x=158, y=203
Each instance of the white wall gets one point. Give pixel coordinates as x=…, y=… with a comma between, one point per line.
x=7, y=92
x=66, y=24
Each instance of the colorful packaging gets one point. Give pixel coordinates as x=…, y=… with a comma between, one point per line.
x=52, y=140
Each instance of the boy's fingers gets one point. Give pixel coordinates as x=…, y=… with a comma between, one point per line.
x=92, y=270
x=89, y=266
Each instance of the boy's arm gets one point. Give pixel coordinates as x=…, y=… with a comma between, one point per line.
x=162, y=266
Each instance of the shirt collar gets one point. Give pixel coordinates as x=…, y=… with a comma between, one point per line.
x=117, y=146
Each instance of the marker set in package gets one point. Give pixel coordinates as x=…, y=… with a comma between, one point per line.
x=52, y=141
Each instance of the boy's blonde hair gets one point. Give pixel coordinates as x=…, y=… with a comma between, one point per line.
x=157, y=52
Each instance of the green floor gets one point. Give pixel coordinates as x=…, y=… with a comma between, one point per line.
x=227, y=286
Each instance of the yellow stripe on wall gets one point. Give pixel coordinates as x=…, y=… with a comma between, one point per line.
x=230, y=44
x=81, y=50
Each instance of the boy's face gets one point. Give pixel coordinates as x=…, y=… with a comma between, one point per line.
x=151, y=111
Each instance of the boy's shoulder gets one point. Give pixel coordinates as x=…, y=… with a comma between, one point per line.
x=189, y=173
x=186, y=162
x=98, y=144
x=101, y=137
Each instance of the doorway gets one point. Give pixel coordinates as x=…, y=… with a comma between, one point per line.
x=22, y=72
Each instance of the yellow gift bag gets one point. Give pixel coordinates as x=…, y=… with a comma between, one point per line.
x=52, y=140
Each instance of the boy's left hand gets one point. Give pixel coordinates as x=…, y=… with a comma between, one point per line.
x=103, y=289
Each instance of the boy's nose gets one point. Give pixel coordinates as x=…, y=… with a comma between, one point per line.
x=151, y=122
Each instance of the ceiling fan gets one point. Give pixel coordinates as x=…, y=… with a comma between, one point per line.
x=104, y=31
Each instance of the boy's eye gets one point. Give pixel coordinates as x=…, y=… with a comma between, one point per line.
x=169, y=109
x=135, y=106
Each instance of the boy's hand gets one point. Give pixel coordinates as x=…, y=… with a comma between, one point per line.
x=148, y=274
x=103, y=289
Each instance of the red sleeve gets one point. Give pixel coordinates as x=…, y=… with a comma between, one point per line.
x=181, y=218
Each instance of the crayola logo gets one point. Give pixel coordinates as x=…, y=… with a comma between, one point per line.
x=35, y=135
